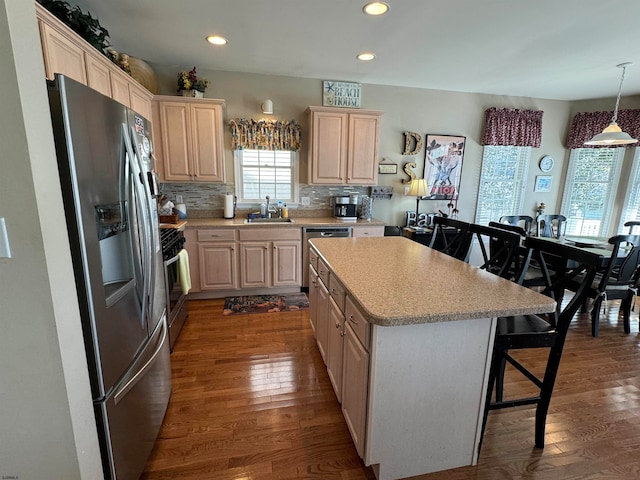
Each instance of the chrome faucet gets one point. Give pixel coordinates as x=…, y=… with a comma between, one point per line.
x=270, y=209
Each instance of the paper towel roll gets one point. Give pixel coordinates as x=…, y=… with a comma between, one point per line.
x=228, y=206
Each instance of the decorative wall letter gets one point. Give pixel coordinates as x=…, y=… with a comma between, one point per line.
x=407, y=169
x=407, y=143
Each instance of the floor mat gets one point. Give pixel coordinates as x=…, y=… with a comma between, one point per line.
x=265, y=303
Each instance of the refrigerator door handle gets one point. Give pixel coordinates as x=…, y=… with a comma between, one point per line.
x=153, y=247
x=146, y=254
x=122, y=392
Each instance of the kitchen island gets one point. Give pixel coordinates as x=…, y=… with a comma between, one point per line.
x=418, y=331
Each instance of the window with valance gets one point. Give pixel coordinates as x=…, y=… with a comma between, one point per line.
x=265, y=134
x=512, y=127
x=265, y=160
x=587, y=124
x=508, y=137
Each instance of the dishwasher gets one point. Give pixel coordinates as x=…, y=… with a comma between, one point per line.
x=318, y=232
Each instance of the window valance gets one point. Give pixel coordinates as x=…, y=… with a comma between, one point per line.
x=587, y=124
x=510, y=126
x=265, y=134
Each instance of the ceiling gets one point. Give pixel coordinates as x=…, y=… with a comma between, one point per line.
x=554, y=49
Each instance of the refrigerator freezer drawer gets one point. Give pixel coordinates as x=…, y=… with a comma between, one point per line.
x=133, y=414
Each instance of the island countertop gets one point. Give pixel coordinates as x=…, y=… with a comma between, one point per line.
x=397, y=281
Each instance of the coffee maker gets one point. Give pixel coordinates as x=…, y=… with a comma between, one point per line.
x=345, y=208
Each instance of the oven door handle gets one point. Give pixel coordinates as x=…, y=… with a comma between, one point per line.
x=172, y=260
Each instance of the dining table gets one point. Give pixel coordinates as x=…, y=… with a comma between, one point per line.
x=597, y=245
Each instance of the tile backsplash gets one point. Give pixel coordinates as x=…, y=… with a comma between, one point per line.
x=207, y=199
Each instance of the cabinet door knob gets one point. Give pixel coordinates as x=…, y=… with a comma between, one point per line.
x=338, y=325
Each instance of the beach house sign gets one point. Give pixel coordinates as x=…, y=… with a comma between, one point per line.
x=341, y=94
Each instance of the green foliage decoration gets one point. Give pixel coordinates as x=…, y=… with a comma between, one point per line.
x=84, y=24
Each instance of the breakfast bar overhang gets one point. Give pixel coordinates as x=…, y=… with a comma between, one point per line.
x=432, y=321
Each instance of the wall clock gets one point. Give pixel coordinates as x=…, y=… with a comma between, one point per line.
x=546, y=163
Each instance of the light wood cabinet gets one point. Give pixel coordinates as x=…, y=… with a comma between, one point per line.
x=61, y=52
x=191, y=133
x=322, y=319
x=255, y=265
x=286, y=263
x=256, y=260
x=217, y=259
x=313, y=297
x=218, y=266
x=344, y=146
x=98, y=76
x=270, y=258
x=140, y=100
x=335, y=334
x=355, y=382
x=66, y=53
x=120, y=89
x=368, y=231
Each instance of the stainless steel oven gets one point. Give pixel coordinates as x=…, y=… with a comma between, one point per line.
x=177, y=306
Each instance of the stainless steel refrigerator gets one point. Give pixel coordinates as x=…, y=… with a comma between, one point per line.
x=105, y=165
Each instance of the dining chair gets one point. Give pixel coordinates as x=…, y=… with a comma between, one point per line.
x=523, y=221
x=632, y=224
x=519, y=258
x=552, y=225
x=618, y=281
x=451, y=236
x=510, y=227
x=539, y=331
x=499, y=247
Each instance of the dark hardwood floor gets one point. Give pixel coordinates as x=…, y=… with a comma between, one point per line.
x=252, y=400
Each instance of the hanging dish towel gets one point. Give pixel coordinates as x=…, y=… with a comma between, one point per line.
x=183, y=271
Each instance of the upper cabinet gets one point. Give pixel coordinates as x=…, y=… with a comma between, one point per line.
x=344, y=146
x=192, y=139
x=64, y=52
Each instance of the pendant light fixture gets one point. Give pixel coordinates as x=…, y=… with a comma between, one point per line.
x=613, y=134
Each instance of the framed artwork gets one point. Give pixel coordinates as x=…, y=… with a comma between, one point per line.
x=543, y=183
x=387, y=168
x=443, y=166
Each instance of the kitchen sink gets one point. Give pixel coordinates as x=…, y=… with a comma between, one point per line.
x=269, y=220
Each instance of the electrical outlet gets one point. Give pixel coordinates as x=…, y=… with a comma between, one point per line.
x=406, y=190
x=305, y=201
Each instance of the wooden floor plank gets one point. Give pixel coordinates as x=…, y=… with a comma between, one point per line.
x=252, y=401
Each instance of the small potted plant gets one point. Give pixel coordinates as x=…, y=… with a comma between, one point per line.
x=189, y=85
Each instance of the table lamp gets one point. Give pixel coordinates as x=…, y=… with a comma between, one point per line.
x=418, y=188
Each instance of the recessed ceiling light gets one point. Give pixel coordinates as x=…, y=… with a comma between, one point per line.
x=365, y=57
x=375, y=8
x=217, y=40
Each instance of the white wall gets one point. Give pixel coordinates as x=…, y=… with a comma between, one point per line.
x=405, y=109
x=47, y=426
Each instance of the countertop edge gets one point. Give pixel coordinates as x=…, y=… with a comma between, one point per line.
x=300, y=222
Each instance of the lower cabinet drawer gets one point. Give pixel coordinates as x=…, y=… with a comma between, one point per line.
x=216, y=235
x=374, y=231
x=323, y=272
x=313, y=257
x=337, y=292
x=358, y=322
